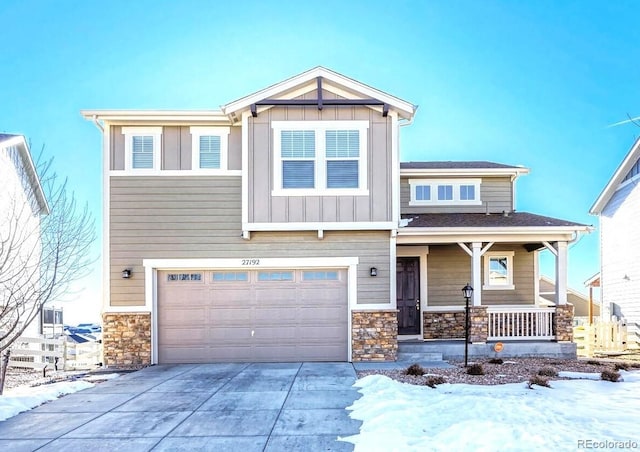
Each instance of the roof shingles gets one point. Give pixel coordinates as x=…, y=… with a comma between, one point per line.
x=480, y=220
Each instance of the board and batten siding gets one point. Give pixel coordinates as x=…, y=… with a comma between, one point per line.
x=164, y=217
x=265, y=208
x=449, y=269
x=175, y=148
x=620, y=251
x=496, y=194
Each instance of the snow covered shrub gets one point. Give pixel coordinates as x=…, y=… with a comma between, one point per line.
x=548, y=372
x=496, y=361
x=475, y=369
x=433, y=380
x=610, y=375
x=538, y=380
x=415, y=369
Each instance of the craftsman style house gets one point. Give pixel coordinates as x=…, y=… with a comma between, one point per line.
x=618, y=208
x=283, y=227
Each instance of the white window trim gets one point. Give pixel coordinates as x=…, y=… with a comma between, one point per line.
x=320, y=160
x=129, y=133
x=487, y=257
x=199, y=131
x=434, y=201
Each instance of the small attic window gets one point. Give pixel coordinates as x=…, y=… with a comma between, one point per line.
x=441, y=192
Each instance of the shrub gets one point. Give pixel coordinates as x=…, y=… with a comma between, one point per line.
x=415, y=369
x=538, y=380
x=548, y=372
x=610, y=375
x=621, y=366
x=475, y=369
x=593, y=362
x=433, y=380
x=496, y=361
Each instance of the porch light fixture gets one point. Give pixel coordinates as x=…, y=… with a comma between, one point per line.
x=373, y=271
x=126, y=273
x=467, y=292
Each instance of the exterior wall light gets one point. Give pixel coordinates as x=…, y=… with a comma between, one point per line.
x=126, y=273
x=373, y=271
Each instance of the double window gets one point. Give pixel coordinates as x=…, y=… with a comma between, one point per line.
x=209, y=148
x=444, y=192
x=320, y=157
x=142, y=148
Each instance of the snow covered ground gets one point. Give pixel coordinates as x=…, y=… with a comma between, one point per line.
x=571, y=415
x=24, y=398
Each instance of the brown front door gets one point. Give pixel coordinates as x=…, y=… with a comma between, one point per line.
x=408, y=294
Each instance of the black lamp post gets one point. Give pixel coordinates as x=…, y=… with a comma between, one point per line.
x=467, y=292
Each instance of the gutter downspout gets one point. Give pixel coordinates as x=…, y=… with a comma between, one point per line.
x=98, y=125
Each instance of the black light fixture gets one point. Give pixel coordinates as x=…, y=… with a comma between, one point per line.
x=467, y=292
x=373, y=271
x=126, y=273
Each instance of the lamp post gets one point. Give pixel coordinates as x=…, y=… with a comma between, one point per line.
x=467, y=292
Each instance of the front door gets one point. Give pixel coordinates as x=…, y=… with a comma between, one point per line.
x=408, y=294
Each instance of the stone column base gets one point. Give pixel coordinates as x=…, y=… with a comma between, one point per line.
x=126, y=338
x=374, y=335
x=563, y=323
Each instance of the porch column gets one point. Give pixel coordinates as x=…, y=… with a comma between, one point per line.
x=561, y=273
x=476, y=272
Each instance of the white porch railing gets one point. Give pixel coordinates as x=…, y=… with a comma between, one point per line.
x=519, y=323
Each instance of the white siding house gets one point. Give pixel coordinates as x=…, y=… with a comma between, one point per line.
x=22, y=203
x=618, y=208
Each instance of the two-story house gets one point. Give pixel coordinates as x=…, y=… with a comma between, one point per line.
x=22, y=203
x=283, y=227
x=618, y=209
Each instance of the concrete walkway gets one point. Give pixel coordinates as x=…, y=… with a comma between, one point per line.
x=230, y=407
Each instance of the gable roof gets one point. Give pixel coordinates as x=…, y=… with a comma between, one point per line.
x=308, y=78
x=9, y=140
x=632, y=157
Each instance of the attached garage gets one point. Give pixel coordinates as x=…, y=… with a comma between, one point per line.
x=252, y=315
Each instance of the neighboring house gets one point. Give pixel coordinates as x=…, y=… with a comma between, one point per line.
x=22, y=203
x=618, y=209
x=579, y=301
x=283, y=227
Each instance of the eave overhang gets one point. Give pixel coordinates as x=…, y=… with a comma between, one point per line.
x=160, y=116
x=617, y=178
x=449, y=172
x=30, y=167
x=495, y=234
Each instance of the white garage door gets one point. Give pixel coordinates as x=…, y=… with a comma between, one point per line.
x=262, y=315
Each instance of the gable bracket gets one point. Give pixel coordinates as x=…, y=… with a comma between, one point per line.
x=254, y=110
x=385, y=110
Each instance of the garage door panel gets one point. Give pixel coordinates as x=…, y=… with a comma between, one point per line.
x=212, y=320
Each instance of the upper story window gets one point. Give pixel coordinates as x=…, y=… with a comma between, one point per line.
x=498, y=270
x=142, y=146
x=320, y=158
x=209, y=148
x=438, y=192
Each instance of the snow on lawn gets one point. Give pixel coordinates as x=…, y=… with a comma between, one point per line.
x=402, y=417
x=24, y=398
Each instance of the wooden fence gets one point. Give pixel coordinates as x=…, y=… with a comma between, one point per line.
x=39, y=353
x=601, y=337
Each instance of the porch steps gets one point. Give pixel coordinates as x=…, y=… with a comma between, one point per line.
x=417, y=352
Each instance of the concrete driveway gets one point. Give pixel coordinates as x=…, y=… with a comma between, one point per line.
x=244, y=407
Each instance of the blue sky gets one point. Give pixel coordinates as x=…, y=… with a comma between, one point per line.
x=528, y=82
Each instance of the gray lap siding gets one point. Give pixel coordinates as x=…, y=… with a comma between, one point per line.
x=163, y=217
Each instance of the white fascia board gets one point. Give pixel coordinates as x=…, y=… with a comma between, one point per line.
x=272, y=91
x=465, y=172
x=156, y=115
x=252, y=262
x=543, y=230
x=25, y=154
x=328, y=226
x=616, y=179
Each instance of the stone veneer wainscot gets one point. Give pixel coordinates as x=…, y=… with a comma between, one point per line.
x=126, y=339
x=374, y=335
x=563, y=320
